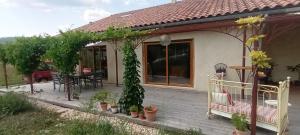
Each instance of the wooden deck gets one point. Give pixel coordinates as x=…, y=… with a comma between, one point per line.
x=184, y=109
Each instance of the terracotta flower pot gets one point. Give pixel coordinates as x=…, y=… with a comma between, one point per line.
x=237, y=132
x=134, y=114
x=103, y=106
x=141, y=116
x=151, y=115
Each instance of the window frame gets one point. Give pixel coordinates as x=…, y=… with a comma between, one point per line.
x=167, y=83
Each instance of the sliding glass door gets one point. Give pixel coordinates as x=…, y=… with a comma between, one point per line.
x=171, y=65
x=156, y=64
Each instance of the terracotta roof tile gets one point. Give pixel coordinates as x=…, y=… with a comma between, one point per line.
x=185, y=10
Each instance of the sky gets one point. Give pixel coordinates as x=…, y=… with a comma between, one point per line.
x=34, y=17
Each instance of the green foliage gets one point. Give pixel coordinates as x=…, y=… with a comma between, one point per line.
x=149, y=108
x=101, y=96
x=37, y=122
x=134, y=108
x=27, y=52
x=260, y=59
x=184, y=132
x=133, y=92
x=121, y=33
x=239, y=121
x=64, y=51
x=250, y=21
x=3, y=54
x=80, y=127
x=11, y=104
x=253, y=39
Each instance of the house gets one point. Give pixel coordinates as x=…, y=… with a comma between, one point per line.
x=203, y=34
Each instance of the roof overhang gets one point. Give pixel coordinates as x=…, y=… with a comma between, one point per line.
x=222, y=18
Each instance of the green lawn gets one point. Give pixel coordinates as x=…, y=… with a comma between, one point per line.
x=12, y=74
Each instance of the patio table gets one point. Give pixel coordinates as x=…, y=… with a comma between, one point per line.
x=91, y=76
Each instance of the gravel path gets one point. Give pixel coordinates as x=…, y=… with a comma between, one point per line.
x=74, y=114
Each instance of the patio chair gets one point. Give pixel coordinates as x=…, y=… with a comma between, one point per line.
x=57, y=80
x=95, y=79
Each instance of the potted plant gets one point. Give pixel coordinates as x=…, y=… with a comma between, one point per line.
x=141, y=115
x=150, y=112
x=240, y=123
x=102, y=97
x=295, y=68
x=114, y=104
x=134, y=111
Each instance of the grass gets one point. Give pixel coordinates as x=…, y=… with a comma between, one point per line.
x=12, y=75
x=11, y=104
x=35, y=122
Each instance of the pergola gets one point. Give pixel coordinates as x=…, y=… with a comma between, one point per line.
x=273, y=27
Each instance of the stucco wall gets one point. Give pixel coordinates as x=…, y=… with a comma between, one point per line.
x=285, y=51
x=210, y=48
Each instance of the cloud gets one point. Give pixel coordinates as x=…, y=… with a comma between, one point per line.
x=41, y=6
x=128, y=2
x=95, y=14
x=7, y=3
x=93, y=2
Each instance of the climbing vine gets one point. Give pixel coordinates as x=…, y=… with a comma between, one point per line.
x=133, y=92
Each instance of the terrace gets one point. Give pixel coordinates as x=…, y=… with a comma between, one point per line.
x=178, y=108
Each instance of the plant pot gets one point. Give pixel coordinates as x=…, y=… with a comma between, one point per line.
x=261, y=74
x=237, y=132
x=134, y=114
x=103, y=106
x=151, y=115
x=141, y=116
x=114, y=109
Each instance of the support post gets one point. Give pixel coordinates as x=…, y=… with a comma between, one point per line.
x=116, y=60
x=5, y=74
x=254, y=93
x=244, y=63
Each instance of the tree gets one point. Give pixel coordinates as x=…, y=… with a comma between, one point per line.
x=27, y=53
x=64, y=52
x=259, y=58
x=4, y=60
x=133, y=92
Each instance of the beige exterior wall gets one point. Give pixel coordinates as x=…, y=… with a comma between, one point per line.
x=285, y=51
x=210, y=48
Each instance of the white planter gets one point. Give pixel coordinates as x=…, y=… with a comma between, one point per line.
x=114, y=110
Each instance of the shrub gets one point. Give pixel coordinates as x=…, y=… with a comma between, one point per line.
x=239, y=121
x=133, y=108
x=101, y=96
x=12, y=103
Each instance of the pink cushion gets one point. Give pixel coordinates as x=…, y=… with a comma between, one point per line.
x=264, y=114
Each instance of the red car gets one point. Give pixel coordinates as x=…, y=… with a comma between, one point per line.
x=39, y=76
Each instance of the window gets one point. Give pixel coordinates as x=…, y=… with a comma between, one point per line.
x=95, y=58
x=171, y=65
